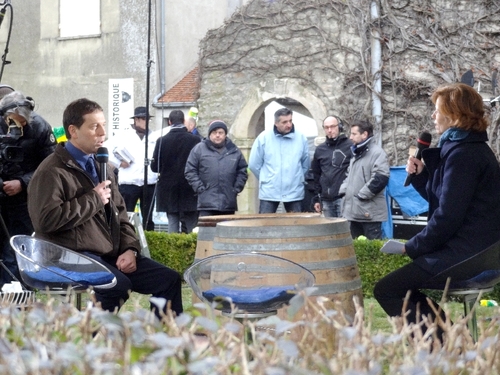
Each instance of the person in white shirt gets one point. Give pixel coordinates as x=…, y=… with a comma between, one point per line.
x=126, y=152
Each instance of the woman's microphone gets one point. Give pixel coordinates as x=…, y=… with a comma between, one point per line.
x=423, y=142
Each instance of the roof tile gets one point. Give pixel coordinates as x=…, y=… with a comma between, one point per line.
x=185, y=91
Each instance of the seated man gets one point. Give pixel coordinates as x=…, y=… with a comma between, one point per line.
x=70, y=207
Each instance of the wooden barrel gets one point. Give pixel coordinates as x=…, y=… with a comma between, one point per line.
x=322, y=245
x=207, y=224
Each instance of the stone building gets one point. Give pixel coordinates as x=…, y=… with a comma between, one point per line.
x=321, y=54
x=60, y=50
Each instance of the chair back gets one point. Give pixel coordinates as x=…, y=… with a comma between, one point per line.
x=486, y=260
x=43, y=264
x=254, y=282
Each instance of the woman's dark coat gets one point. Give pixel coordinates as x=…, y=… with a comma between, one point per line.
x=461, y=182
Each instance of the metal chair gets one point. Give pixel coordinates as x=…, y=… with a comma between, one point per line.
x=136, y=221
x=257, y=284
x=478, y=275
x=56, y=269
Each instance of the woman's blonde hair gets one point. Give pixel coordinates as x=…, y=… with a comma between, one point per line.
x=463, y=105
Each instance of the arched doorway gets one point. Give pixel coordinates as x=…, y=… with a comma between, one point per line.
x=251, y=121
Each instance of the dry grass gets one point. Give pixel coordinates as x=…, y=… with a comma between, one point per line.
x=54, y=337
x=373, y=312
x=379, y=320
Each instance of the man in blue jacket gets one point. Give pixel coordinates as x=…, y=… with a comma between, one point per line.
x=280, y=159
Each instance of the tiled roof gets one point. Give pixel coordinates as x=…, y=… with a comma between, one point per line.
x=185, y=91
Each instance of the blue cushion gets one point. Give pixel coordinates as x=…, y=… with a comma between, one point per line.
x=57, y=275
x=260, y=299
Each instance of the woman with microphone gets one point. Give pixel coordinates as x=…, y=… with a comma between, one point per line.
x=460, y=179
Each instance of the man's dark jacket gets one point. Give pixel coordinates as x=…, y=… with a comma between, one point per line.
x=329, y=166
x=174, y=194
x=66, y=210
x=217, y=177
x=37, y=142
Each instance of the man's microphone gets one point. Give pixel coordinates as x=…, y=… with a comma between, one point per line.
x=102, y=157
x=423, y=142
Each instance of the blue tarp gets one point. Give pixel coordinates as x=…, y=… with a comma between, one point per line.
x=410, y=201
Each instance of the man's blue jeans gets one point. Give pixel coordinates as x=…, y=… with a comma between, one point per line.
x=270, y=207
x=332, y=208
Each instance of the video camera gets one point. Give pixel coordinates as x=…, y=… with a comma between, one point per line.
x=9, y=152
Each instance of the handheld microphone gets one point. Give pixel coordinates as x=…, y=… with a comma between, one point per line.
x=102, y=157
x=423, y=142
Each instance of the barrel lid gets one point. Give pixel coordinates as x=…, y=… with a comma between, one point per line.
x=263, y=221
x=212, y=221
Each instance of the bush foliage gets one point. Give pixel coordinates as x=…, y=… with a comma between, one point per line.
x=175, y=250
x=373, y=264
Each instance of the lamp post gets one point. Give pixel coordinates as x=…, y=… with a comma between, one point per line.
x=146, y=159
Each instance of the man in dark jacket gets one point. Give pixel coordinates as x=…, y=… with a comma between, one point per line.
x=85, y=215
x=217, y=171
x=19, y=127
x=174, y=194
x=329, y=167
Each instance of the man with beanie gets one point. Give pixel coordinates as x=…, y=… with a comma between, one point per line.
x=280, y=159
x=175, y=196
x=127, y=154
x=217, y=171
x=329, y=166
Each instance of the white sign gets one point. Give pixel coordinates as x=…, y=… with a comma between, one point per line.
x=121, y=105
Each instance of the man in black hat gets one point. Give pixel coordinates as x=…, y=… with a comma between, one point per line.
x=127, y=154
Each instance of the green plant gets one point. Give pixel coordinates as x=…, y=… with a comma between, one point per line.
x=373, y=264
x=175, y=250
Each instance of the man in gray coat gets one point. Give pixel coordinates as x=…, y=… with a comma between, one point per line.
x=217, y=171
x=364, y=188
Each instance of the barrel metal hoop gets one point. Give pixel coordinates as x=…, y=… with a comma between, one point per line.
x=273, y=231
x=282, y=246
x=331, y=264
x=336, y=288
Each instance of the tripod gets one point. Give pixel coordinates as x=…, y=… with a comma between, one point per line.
x=22, y=298
x=6, y=235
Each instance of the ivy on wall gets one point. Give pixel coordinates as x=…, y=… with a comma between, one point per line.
x=325, y=45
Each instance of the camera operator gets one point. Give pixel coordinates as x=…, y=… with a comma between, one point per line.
x=25, y=140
